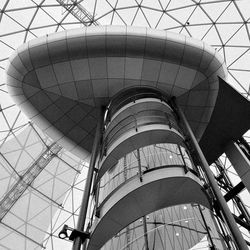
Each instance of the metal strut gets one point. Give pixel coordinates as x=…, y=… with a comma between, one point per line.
x=78, y=11
x=25, y=180
x=229, y=219
x=232, y=194
x=78, y=241
x=245, y=147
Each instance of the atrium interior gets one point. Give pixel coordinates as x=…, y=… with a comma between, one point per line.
x=54, y=128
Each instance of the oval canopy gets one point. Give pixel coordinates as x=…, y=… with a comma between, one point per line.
x=60, y=80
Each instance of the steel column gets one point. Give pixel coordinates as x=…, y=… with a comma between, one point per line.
x=241, y=243
x=240, y=162
x=85, y=200
x=145, y=230
x=207, y=228
x=139, y=163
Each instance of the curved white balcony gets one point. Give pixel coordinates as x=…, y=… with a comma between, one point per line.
x=181, y=227
x=162, y=187
x=135, y=107
x=133, y=139
x=140, y=161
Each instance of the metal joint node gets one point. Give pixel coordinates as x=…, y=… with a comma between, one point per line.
x=76, y=233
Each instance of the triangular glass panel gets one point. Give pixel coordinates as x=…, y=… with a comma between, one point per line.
x=117, y=19
x=242, y=62
x=42, y=19
x=182, y=14
x=180, y=4
x=241, y=37
x=227, y=31
x=230, y=15
x=152, y=16
x=23, y=16
x=232, y=54
x=212, y=37
x=168, y=22
x=126, y=15
x=24, y=4
x=215, y=9
x=198, y=31
x=140, y=19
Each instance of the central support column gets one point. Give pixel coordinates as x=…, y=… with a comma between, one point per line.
x=144, y=170
x=241, y=243
x=85, y=200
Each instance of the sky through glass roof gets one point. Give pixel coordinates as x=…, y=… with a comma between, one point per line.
x=33, y=220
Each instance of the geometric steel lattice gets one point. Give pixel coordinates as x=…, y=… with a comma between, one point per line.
x=223, y=24
x=27, y=178
x=78, y=12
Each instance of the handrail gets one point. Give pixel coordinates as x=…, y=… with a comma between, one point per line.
x=117, y=103
x=165, y=225
x=165, y=119
x=151, y=158
x=137, y=175
x=156, y=111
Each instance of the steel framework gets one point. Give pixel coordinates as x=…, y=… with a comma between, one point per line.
x=76, y=9
x=25, y=180
x=226, y=29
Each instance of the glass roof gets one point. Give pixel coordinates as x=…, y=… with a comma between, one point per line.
x=35, y=214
